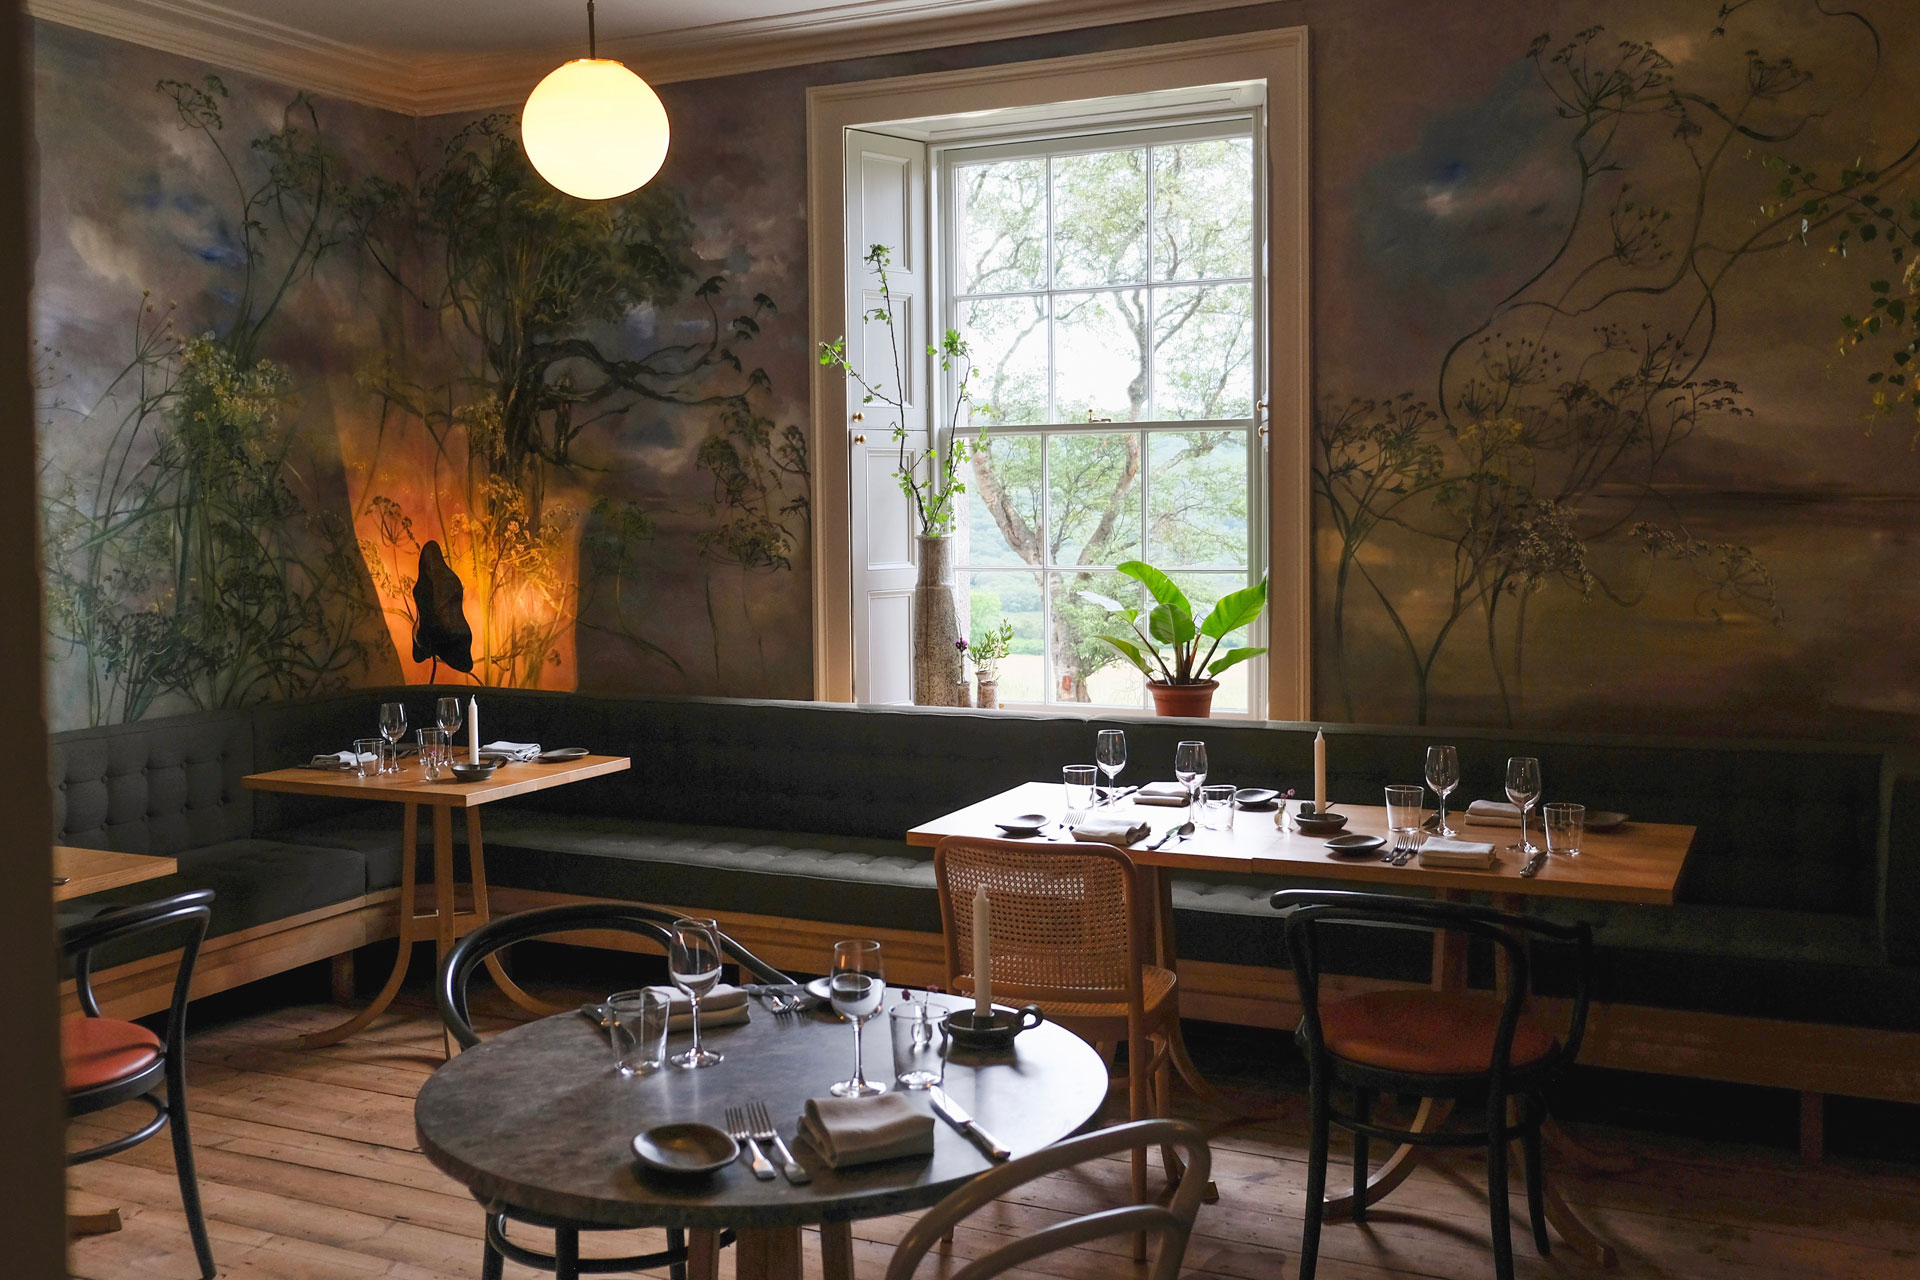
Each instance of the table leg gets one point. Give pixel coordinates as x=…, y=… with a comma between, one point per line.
x=836, y=1250
x=1167, y=957
x=410, y=932
x=703, y=1255
x=477, y=865
x=767, y=1253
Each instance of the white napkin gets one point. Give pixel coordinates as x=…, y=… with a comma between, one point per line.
x=1105, y=828
x=516, y=751
x=1456, y=853
x=1173, y=794
x=1493, y=813
x=849, y=1131
x=338, y=760
x=721, y=1007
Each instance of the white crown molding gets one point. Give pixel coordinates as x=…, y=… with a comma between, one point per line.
x=437, y=84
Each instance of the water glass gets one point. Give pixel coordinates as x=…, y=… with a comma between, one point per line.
x=1406, y=806
x=637, y=1026
x=368, y=756
x=1566, y=823
x=1443, y=775
x=693, y=962
x=857, y=986
x=1079, y=780
x=1110, y=752
x=1190, y=766
x=1216, y=807
x=435, y=754
x=917, y=1060
x=446, y=714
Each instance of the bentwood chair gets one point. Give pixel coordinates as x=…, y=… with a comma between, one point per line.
x=1070, y=932
x=1172, y=1222
x=1431, y=1044
x=108, y=1061
x=456, y=972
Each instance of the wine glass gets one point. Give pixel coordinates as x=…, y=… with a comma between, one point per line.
x=1190, y=767
x=1110, y=751
x=1443, y=775
x=446, y=713
x=858, y=987
x=1523, y=788
x=693, y=962
x=393, y=727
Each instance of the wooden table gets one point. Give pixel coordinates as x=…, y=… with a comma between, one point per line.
x=93, y=870
x=1639, y=862
x=410, y=788
x=536, y=1118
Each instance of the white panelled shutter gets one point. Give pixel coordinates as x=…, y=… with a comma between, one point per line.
x=886, y=197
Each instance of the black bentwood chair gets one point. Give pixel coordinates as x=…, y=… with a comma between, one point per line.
x=108, y=1061
x=456, y=971
x=1172, y=1221
x=1434, y=1044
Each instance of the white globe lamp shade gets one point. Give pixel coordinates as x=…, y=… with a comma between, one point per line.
x=594, y=129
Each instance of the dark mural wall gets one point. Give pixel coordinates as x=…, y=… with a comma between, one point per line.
x=1613, y=312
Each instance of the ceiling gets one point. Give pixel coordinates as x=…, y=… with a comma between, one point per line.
x=425, y=57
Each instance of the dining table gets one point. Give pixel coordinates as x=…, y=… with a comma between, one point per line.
x=410, y=788
x=1632, y=862
x=536, y=1118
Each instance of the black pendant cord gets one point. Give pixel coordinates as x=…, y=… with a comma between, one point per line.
x=592, y=51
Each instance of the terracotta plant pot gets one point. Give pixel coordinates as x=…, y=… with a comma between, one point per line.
x=1183, y=699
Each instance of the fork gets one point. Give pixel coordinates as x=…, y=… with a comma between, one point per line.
x=762, y=1129
x=738, y=1131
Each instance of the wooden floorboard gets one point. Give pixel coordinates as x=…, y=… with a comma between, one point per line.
x=309, y=1171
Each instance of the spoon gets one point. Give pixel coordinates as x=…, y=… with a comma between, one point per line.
x=1183, y=830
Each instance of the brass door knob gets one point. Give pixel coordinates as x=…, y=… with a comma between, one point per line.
x=860, y=439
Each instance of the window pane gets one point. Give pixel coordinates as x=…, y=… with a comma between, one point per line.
x=1203, y=210
x=1202, y=590
x=1100, y=218
x=1016, y=597
x=1002, y=520
x=1099, y=358
x=1197, y=499
x=1003, y=226
x=1093, y=488
x=1203, y=352
x=1007, y=340
x=1086, y=668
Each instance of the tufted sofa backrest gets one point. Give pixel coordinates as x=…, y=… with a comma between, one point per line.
x=156, y=786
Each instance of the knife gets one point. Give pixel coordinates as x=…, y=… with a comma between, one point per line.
x=957, y=1116
x=1534, y=863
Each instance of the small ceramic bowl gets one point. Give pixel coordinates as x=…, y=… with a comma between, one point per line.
x=997, y=1031
x=685, y=1148
x=1022, y=823
x=474, y=772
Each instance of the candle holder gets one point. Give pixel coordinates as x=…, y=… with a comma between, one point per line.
x=996, y=1030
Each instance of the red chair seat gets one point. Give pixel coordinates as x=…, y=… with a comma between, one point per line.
x=97, y=1051
x=1441, y=1033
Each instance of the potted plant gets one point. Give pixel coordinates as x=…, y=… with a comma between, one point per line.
x=989, y=647
x=1169, y=652
x=931, y=478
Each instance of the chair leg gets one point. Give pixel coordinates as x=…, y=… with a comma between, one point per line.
x=677, y=1241
x=1363, y=1112
x=1499, y=1221
x=1139, y=1107
x=1530, y=1148
x=1318, y=1125
x=492, y=1265
x=566, y=1253
x=183, y=1164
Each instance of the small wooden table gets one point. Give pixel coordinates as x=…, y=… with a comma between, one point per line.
x=1639, y=862
x=410, y=788
x=535, y=1118
x=88, y=871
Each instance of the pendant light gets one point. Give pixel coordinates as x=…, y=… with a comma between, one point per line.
x=593, y=128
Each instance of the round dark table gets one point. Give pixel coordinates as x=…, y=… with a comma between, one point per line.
x=535, y=1118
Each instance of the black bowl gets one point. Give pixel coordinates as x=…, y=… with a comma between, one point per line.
x=1322, y=823
x=474, y=772
x=687, y=1148
x=997, y=1031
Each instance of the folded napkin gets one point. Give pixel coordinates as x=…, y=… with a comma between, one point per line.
x=721, y=1007
x=519, y=751
x=1105, y=828
x=1493, y=813
x=1456, y=853
x=850, y=1131
x=338, y=760
x=1168, y=793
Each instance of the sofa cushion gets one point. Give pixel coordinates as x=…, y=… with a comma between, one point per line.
x=158, y=787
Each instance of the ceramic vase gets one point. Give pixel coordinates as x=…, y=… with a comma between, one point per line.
x=989, y=692
x=939, y=667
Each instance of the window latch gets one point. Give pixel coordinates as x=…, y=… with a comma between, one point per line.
x=1091, y=418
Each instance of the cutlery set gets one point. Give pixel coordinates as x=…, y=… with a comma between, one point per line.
x=751, y=1125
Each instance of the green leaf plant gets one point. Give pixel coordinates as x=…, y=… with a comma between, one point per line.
x=1168, y=651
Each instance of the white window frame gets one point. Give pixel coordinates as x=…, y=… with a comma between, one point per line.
x=1276, y=60
x=1160, y=128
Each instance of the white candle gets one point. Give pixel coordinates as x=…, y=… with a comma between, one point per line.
x=1319, y=772
x=473, y=731
x=982, y=955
